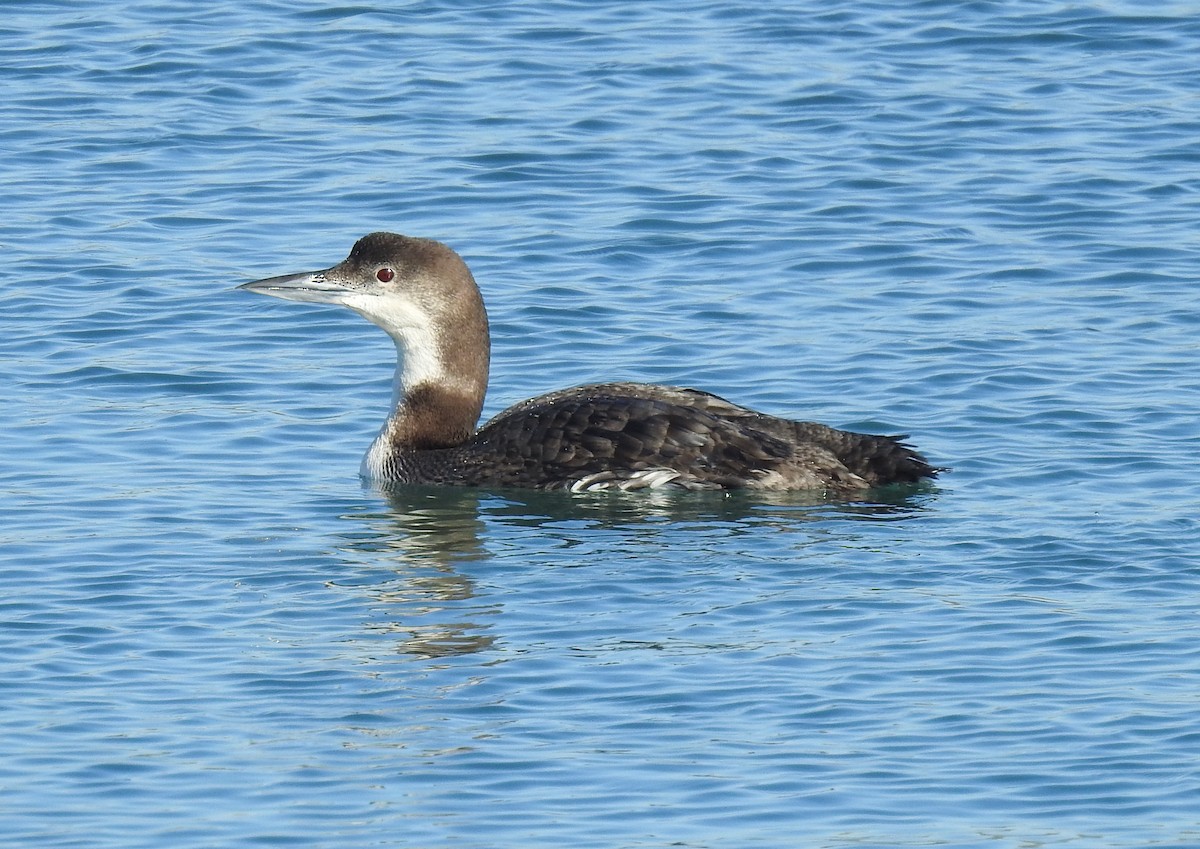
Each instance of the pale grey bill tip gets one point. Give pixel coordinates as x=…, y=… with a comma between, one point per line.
x=307, y=286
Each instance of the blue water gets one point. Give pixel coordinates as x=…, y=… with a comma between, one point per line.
x=976, y=223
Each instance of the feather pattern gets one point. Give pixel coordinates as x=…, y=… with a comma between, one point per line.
x=634, y=436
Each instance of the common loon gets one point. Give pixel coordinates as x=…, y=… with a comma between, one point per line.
x=611, y=435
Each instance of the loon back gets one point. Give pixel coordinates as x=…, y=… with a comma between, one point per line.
x=634, y=436
x=612, y=435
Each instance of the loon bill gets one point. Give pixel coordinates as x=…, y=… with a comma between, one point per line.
x=603, y=436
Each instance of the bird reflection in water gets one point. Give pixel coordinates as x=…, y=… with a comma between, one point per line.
x=433, y=539
x=427, y=606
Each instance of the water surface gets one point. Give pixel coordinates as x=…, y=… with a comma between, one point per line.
x=974, y=223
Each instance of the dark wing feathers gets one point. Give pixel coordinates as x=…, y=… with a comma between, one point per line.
x=617, y=433
x=879, y=460
x=638, y=434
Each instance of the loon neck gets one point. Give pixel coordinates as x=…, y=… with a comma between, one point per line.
x=426, y=415
x=430, y=417
x=441, y=377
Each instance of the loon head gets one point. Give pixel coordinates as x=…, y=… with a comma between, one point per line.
x=419, y=291
x=397, y=282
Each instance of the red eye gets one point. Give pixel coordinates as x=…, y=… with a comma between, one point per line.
x=385, y=275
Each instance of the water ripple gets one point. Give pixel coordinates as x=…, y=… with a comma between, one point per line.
x=977, y=228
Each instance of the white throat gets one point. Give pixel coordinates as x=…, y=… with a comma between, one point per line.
x=419, y=361
x=412, y=328
x=414, y=365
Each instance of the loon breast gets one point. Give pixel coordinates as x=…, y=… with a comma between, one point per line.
x=602, y=436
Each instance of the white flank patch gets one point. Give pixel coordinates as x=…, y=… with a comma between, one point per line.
x=650, y=479
x=645, y=479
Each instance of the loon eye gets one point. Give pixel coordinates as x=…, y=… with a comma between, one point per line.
x=385, y=275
